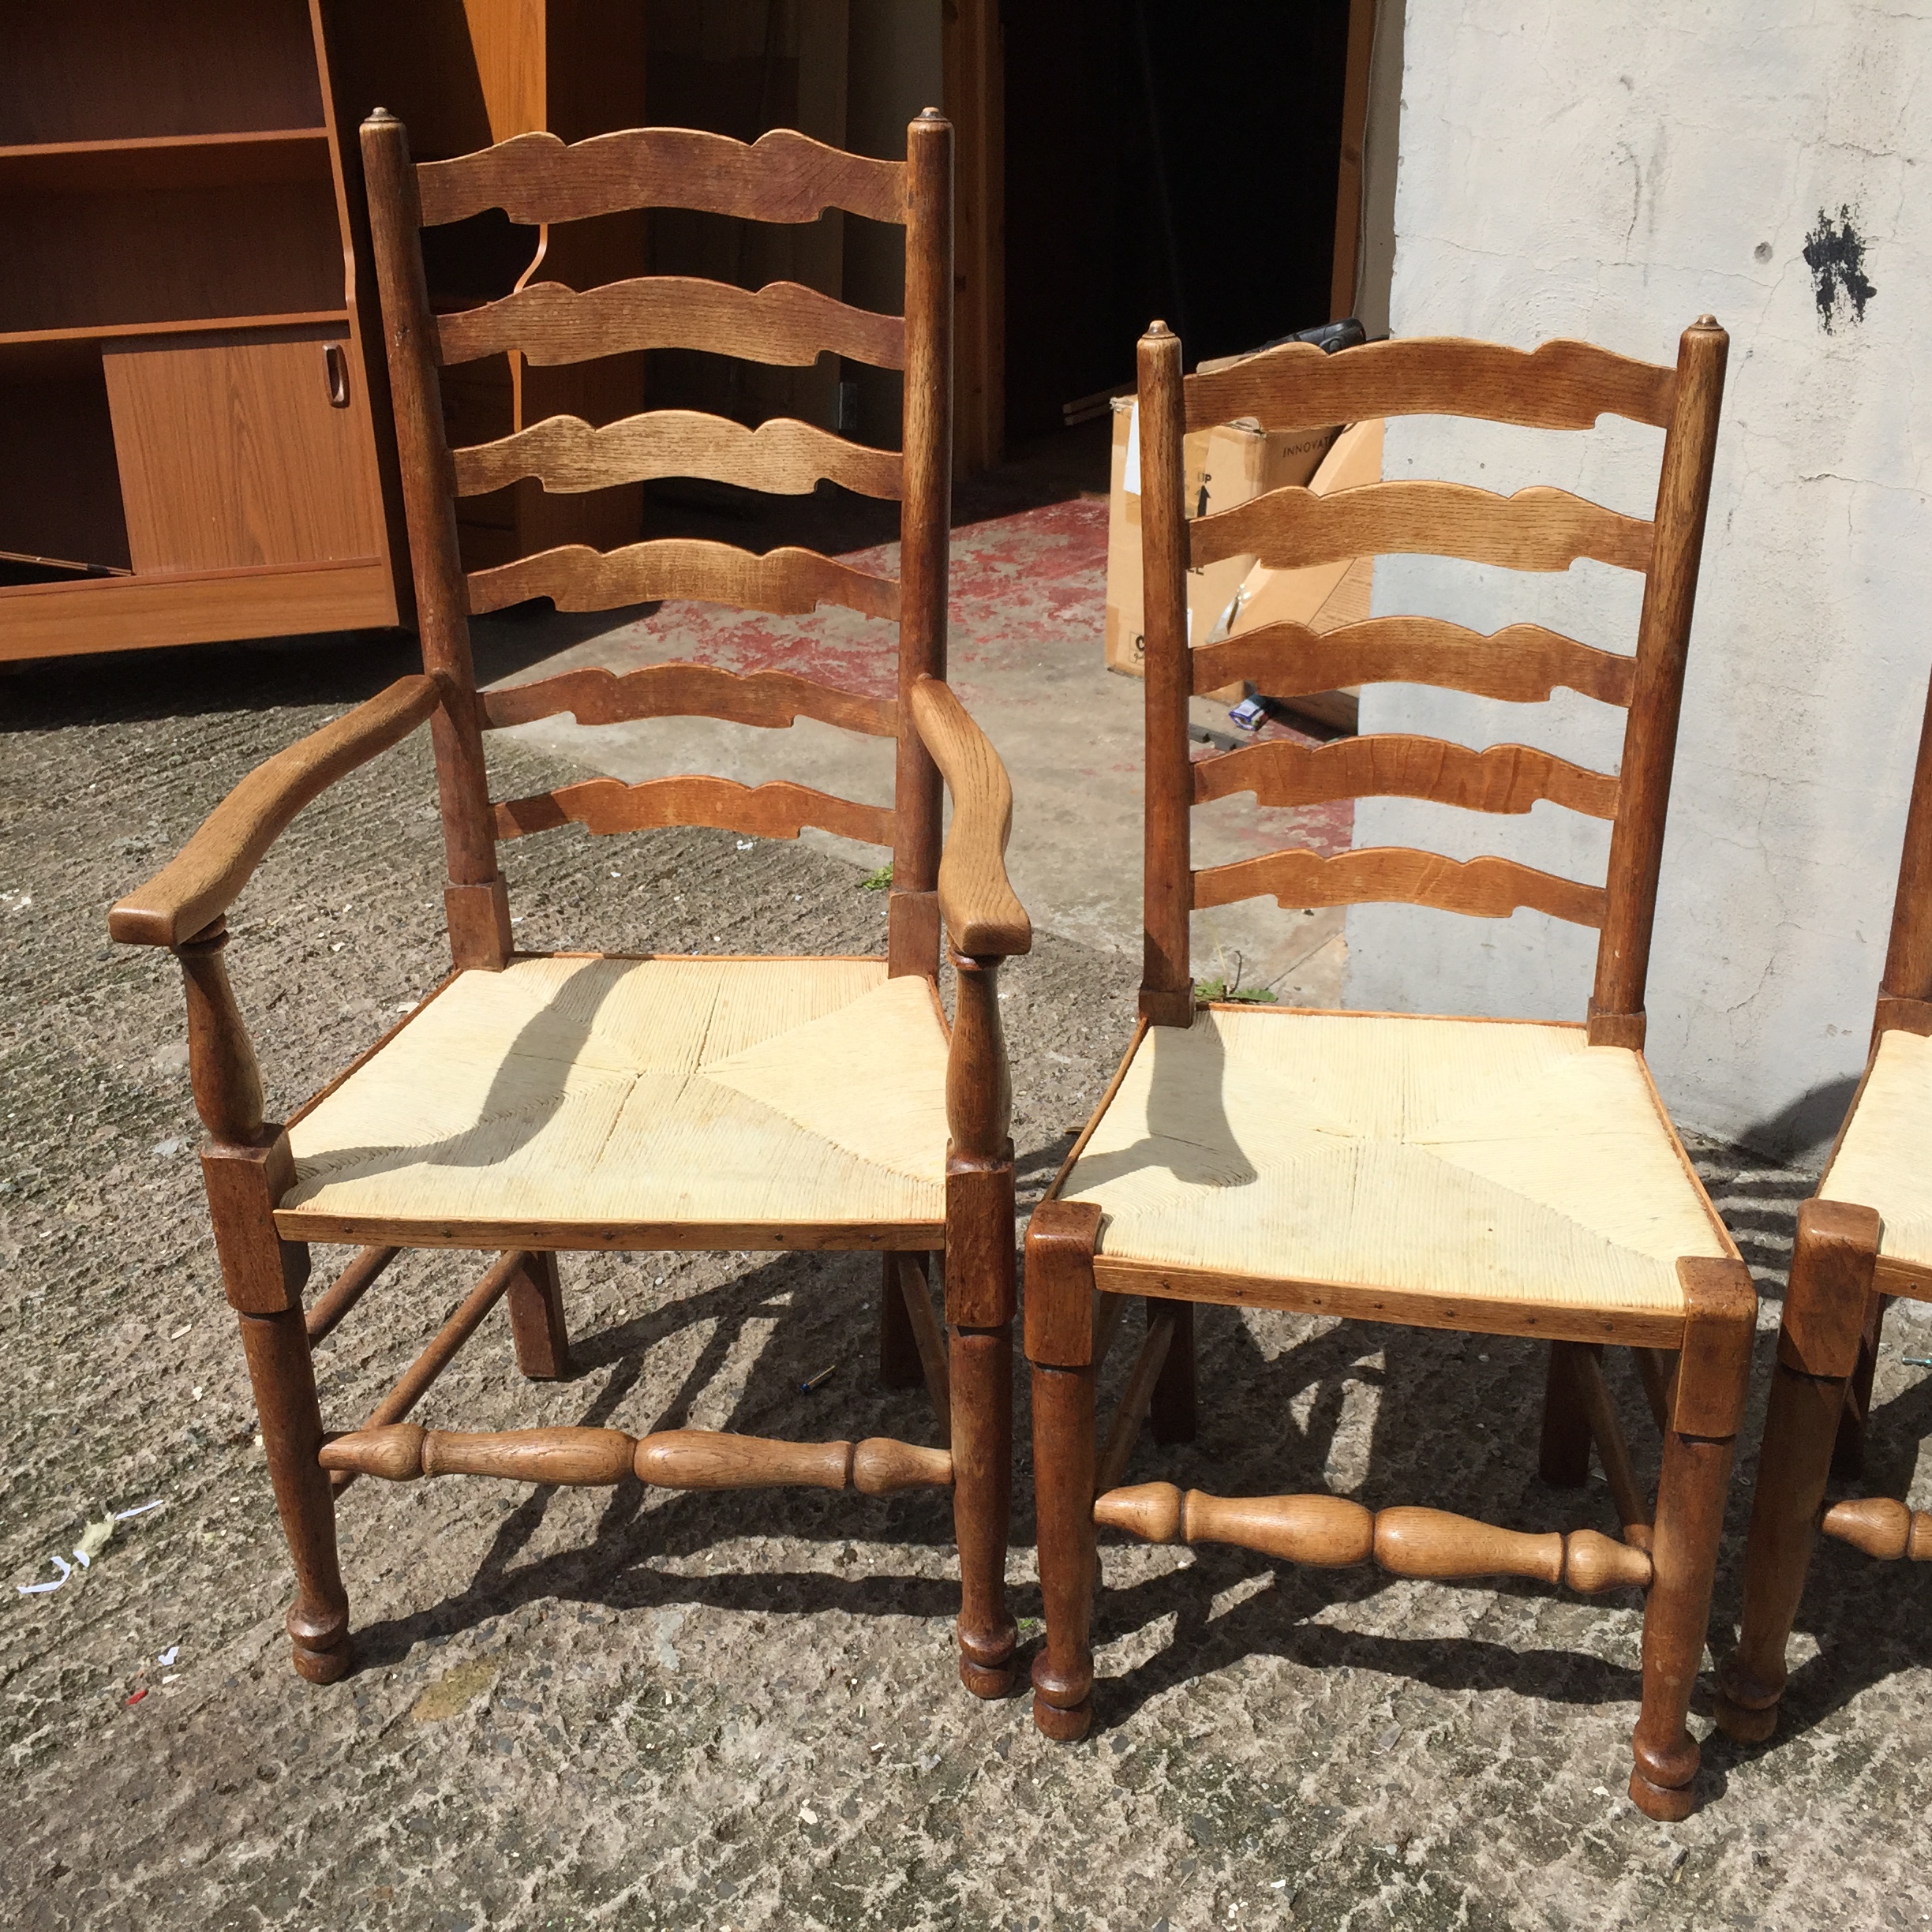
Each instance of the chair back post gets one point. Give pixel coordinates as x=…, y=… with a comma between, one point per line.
x=925, y=517
x=1167, y=976
x=1616, y=1007
x=478, y=914
x=1908, y=956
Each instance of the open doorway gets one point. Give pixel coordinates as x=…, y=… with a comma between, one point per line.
x=1173, y=161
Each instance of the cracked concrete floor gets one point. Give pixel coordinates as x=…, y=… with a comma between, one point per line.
x=635, y=1710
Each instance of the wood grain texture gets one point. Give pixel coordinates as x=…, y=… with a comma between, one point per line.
x=1326, y=1532
x=1538, y=529
x=782, y=323
x=1663, y=643
x=771, y=698
x=783, y=457
x=1485, y=888
x=1521, y=664
x=222, y=1071
x=1507, y=778
x=672, y=1460
x=984, y=919
x=1166, y=996
x=1559, y=385
x=779, y=809
x=926, y=435
x=1882, y=1528
x=202, y=881
x=787, y=583
x=782, y=176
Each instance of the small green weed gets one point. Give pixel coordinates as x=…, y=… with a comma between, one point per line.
x=880, y=880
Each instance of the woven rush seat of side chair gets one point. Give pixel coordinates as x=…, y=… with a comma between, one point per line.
x=1507, y=1160
x=805, y=1093
x=1884, y=1160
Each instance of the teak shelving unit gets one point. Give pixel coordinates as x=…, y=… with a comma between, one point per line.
x=185, y=408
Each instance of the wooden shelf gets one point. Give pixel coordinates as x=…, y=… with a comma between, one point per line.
x=147, y=162
x=306, y=318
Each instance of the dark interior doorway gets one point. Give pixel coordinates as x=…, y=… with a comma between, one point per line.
x=1163, y=160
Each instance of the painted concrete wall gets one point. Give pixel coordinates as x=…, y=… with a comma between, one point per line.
x=1610, y=171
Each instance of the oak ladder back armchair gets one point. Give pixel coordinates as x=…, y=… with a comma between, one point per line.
x=1490, y=1176
x=533, y=1104
x=1864, y=1238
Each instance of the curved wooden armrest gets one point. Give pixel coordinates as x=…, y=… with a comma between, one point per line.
x=984, y=919
x=201, y=881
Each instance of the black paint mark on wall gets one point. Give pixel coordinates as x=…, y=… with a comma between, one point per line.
x=1835, y=253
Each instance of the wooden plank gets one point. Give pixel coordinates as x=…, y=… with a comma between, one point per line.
x=1523, y=663
x=781, y=323
x=618, y=1236
x=1559, y=385
x=779, y=809
x=1348, y=221
x=788, y=582
x=1485, y=888
x=1505, y=778
x=1558, y=1321
x=771, y=698
x=1538, y=528
x=783, y=456
x=782, y=176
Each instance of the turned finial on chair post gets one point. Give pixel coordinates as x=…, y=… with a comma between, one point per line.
x=221, y=1061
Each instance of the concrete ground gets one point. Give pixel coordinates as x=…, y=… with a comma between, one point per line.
x=640, y=1710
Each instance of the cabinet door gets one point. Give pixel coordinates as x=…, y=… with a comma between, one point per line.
x=243, y=448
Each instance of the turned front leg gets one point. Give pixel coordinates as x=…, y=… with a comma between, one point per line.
x=1825, y=1302
x=981, y=1293
x=247, y=1168
x=1698, y=1451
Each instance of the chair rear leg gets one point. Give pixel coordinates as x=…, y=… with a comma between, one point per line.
x=1698, y=1451
x=283, y=1374
x=1563, y=1460
x=899, y=1364
x=536, y=1324
x=1172, y=1413
x=1819, y=1346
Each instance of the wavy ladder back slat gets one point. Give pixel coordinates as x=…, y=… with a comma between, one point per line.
x=1565, y=385
x=778, y=810
x=770, y=698
x=783, y=457
x=781, y=323
x=1560, y=385
x=782, y=176
x=1521, y=664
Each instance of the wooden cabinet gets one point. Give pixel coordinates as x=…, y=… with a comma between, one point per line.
x=180, y=300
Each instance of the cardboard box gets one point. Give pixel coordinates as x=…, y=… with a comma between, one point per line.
x=1224, y=465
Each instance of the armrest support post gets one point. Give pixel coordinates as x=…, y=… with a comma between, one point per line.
x=979, y=1083
x=222, y=1066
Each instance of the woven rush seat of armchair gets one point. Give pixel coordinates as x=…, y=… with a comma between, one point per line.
x=1391, y=1155
x=593, y=1096
x=1881, y=1162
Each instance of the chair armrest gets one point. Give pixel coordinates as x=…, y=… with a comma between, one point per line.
x=201, y=881
x=984, y=917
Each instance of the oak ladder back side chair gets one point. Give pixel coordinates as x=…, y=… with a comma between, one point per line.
x=1493, y=1177
x=1864, y=1238
x=537, y=1103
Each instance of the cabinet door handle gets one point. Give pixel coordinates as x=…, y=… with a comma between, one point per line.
x=336, y=364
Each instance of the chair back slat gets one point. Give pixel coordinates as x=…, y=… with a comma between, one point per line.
x=1560, y=385
x=783, y=457
x=1538, y=528
x=1505, y=778
x=1521, y=663
x=783, y=176
x=770, y=698
x=1485, y=888
x=778, y=810
x=782, y=323
x=786, y=582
